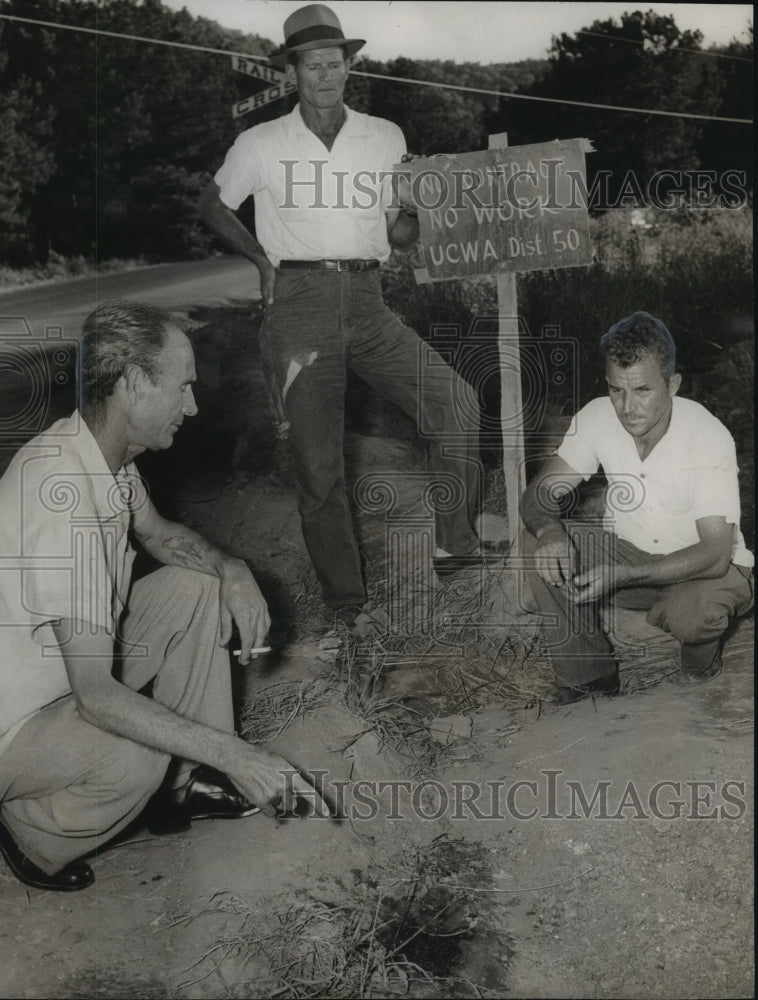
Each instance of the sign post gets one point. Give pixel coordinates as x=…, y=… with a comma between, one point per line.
x=511, y=402
x=502, y=211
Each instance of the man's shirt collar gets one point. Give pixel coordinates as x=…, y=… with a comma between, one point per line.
x=354, y=124
x=111, y=494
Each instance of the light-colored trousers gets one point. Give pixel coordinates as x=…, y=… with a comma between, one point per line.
x=66, y=786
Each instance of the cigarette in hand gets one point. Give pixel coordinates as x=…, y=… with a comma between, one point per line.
x=253, y=651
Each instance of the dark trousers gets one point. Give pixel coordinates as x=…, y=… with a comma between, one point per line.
x=696, y=612
x=320, y=324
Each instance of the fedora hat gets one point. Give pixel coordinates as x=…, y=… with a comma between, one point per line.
x=313, y=27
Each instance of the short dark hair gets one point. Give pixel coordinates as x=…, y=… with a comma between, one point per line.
x=637, y=335
x=117, y=334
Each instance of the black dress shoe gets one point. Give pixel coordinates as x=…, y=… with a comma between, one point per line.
x=607, y=686
x=208, y=794
x=76, y=874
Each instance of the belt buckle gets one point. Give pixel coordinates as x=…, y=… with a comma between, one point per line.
x=346, y=265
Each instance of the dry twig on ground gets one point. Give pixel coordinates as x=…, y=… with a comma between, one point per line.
x=275, y=707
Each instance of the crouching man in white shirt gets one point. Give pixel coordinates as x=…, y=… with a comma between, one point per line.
x=670, y=542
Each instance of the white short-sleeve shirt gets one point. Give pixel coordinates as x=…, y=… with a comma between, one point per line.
x=311, y=202
x=64, y=554
x=654, y=503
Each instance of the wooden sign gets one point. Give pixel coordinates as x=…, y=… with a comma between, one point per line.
x=251, y=67
x=518, y=208
x=262, y=98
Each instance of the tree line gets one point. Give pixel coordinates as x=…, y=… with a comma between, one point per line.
x=107, y=143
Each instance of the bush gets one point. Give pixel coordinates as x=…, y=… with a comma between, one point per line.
x=693, y=270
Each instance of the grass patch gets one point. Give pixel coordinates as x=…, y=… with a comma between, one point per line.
x=59, y=268
x=397, y=685
x=398, y=929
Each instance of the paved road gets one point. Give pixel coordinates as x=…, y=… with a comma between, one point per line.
x=176, y=287
x=37, y=381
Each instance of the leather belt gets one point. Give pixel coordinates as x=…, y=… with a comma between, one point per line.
x=331, y=265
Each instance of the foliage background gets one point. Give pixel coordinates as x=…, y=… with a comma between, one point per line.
x=106, y=144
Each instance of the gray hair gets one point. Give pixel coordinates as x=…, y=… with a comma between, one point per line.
x=118, y=334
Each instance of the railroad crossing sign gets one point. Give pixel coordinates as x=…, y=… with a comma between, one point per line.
x=279, y=85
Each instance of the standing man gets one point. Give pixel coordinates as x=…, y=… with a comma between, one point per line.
x=82, y=746
x=671, y=542
x=325, y=220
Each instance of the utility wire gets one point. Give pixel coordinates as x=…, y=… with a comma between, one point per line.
x=555, y=100
x=393, y=79
x=638, y=41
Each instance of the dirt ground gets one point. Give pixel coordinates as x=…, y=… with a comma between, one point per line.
x=489, y=844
